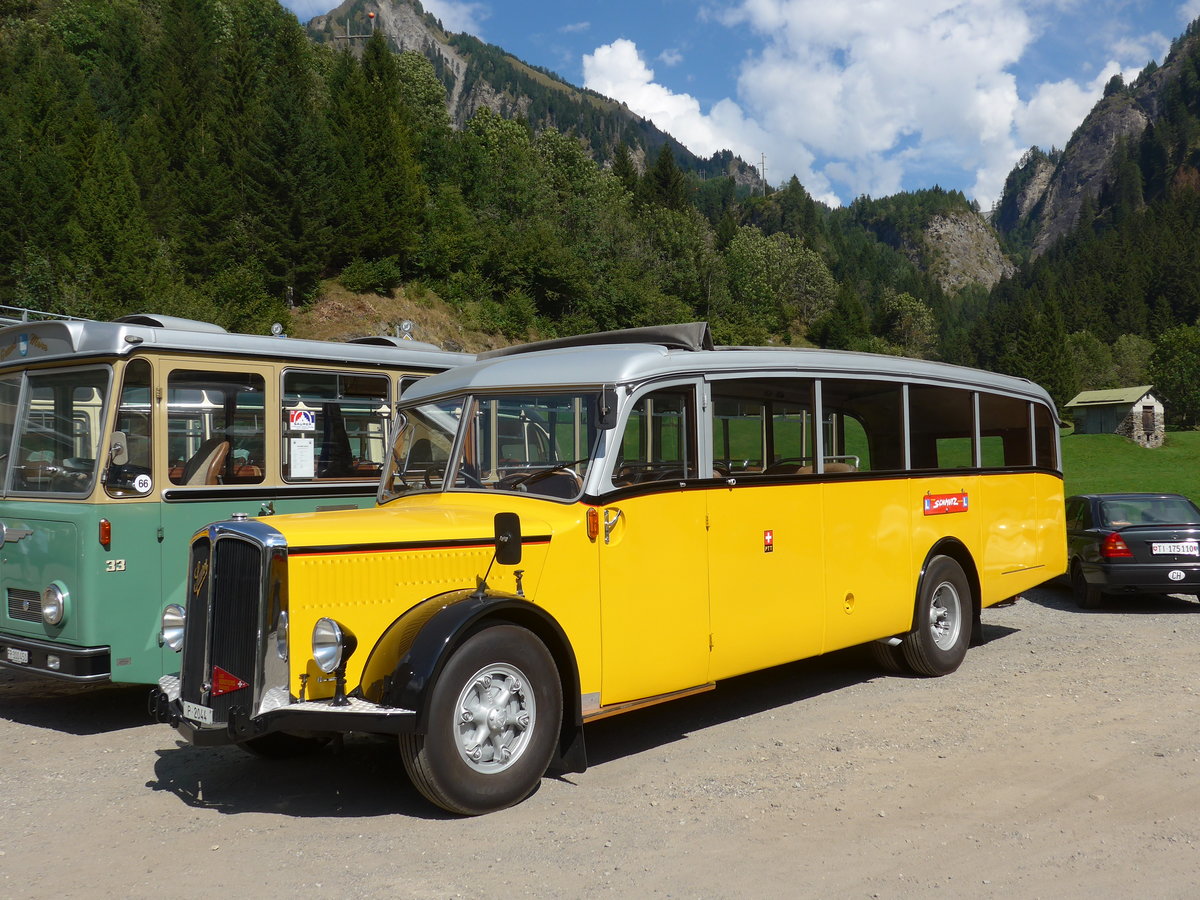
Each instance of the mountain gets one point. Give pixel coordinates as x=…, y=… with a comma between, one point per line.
x=1046, y=193
x=479, y=75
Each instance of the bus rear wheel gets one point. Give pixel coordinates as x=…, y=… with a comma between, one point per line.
x=494, y=719
x=941, y=631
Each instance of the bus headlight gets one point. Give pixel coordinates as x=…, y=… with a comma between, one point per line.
x=281, y=636
x=173, y=619
x=331, y=645
x=54, y=603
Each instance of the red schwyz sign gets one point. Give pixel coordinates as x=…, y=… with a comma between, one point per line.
x=940, y=504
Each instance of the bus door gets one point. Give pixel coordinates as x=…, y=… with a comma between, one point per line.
x=129, y=573
x=219, y=424
x=653, y=554
x=765, y=519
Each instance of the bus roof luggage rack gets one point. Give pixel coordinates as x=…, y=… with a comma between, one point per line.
x=688, y=336
x=156, y=321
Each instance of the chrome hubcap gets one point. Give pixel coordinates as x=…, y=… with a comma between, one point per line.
x=496, y=718
x=945, y=616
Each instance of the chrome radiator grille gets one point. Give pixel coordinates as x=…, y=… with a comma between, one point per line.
x=226, y=581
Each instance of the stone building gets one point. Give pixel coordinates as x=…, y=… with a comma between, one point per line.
x=1132, y=412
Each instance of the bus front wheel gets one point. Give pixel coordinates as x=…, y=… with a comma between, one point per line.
x=494, y=719
x=941, y=631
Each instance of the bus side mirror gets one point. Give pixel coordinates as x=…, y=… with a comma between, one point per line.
x=118, y=450
x=508, y=538
x=606, y=411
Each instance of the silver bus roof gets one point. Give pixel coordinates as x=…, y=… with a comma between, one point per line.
x=660, y=353
x=60, y=340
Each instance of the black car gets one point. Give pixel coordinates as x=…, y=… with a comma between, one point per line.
x=1132, y=544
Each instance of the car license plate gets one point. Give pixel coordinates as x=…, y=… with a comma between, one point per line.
x=197, y=713
x=14, y=655
x=1182, y=548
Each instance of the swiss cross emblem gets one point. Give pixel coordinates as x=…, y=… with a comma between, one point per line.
x=768, y=541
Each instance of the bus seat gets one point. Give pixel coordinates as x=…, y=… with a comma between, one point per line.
x=205, y=465
x=834, y=467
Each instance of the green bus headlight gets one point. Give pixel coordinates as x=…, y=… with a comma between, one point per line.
x=54, y=603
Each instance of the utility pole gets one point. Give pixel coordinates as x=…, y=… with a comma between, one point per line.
x=764, y=174
x=349, y=37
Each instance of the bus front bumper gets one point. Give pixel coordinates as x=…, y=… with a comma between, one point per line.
x=83, y=665
x=309, y=717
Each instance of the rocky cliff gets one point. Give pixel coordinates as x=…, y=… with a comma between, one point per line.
x=480, y=75
x=961, y=249
x=1044, y=195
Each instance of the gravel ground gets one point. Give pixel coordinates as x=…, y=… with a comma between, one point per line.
x=1060, y=761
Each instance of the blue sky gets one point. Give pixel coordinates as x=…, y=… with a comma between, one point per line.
x=852, y=96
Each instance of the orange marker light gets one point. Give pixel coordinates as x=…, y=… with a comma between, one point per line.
x=105, y=533
x=593, y=523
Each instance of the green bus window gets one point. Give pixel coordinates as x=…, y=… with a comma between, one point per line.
x=58, y=432
x=129, y=469
x=216, y=424
x=335, y=424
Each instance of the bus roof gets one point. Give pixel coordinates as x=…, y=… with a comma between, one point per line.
x=582, y=362
x=58, y=340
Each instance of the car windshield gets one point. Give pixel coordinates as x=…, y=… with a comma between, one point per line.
x=53, y=444
x=1148, y=511
x=520, y=443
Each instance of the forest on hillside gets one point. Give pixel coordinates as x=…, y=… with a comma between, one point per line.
x=206, y=159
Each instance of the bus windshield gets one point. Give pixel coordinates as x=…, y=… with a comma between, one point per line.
x=522, y=443
x=54, y=443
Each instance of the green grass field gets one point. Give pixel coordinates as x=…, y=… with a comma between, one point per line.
x=1094, y=463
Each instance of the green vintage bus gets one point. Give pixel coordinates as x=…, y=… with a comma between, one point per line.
x=118, y=440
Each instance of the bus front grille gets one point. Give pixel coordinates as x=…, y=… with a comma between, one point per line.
x=24, y=606
x=221, y=653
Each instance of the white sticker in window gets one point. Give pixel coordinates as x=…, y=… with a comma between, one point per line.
x=141, y=483
x=302, y=458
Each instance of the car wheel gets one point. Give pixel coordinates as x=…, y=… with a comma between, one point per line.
x=281, y=745
x=494, y=719
x=941, y=631
x=1087, y=596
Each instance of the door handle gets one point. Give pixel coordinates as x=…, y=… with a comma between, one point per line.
x=609, y=524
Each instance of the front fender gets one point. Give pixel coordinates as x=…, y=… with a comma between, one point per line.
x=407, y=659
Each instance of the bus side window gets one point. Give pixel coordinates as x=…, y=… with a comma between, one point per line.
x=941, y=422
x=216, y=424
x=659, y=442
x=335, y=424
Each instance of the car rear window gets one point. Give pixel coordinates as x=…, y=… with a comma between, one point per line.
x=1151, y=511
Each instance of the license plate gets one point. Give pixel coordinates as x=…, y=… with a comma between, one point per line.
x=1183, y=548
x=197, y=713
x=13, y=655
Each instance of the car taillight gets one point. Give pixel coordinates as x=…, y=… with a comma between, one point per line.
x=1114, y=547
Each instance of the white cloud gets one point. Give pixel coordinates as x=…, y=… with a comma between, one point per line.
x=575, y=27
x=1189, y=11
x=458, y=15
x=618, y=71
x=670, y=57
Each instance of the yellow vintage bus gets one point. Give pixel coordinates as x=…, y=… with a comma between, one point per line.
x=569, y=530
